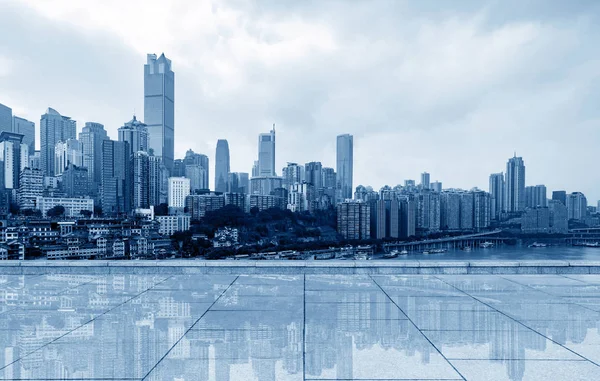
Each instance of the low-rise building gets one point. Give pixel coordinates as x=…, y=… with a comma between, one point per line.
x=172, y=224
x=226, y=237
x=73, y=206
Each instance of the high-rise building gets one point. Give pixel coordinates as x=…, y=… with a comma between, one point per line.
x=14, y=157
x=535, y=196
x=482, y=210
x=436, y=186
x=198, y=204
x=158, y=181
x=536, y=220
x=559, y=217
x=265, y=185
x=497, y=194
x=192, y=158
x=27, y=129
x=5, y=118
x=179, y=189
x=197, y=175
x=31, y=185
x=514, y=193
x=34, y=160
x=266, y=154
x=428, y=211
x=159, y=107
x=450, y=210
x=75, y=181
x=140, y=180
x=560, y=196
x=345, y=165
x=239, y=182
x=65, y=153
x=313, y=174
x=301, y=197
x=425, y=184
x=222, y=166
x=178, y=168
x=329, y=183
x=291, y=175
x=353, y=220
x=135, y=133
x=115, y=190
x=53, y=128
x=466, y=211
x=576, y=206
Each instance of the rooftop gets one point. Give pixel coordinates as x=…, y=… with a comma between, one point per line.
x=78, y=320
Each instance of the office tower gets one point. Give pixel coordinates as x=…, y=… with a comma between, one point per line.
x=53, y=128
x=291, y=175
x=265, y=185
x=345, y=165
x=560, y=196
x=115, y=190
x=514, y=190
x=536, y=220
x=27, y=129
x=497, y=194
x=159, y=107
x=179, y=189
x=436, y=186
x=158, y=180
x=353, y=220
x=482, y=210
x=559, y=217
x=409, y=183
x=198, y=204
x=239, y=182
x=91, y=137
x=425, y=181
x=75, y=181
x=450, y=210
x=408, y=216
x=329, y=183
x=140, y=180
x=197, y=175
x=535, y=196
x=266, y=154
x=221, y=166
x=65, y=153
x=178, y=168
x=466, y=211
x=34, y=160
x=192, y=158
x=5, y=118
x=14, y=157
x=135, y=133
x=301, y=197
x=313, y=174
x=31, y=185
x=576, y=206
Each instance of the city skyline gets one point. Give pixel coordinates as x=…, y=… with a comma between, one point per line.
x=532, y=137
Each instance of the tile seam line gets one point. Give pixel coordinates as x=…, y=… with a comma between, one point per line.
x=521, y=323
x=188, y=330
x=304, y=330
x=544, y=292
x=87, y=322
x=421, y=332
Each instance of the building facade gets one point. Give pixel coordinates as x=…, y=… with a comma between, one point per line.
x=345, y=166
x=353, y=220
x=179, y=189
x=266, y=154
x=514, y=193
x=222, y=168
x=53, y=128
x=27, y=129
x=497, y=194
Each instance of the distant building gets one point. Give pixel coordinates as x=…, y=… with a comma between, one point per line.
x=428, y=211
x=264, y=202
x=353, y=220
x=301, y=197
x=198, y=204
x=67, y=153
x=226, y=237
x=266, y=154
x=159, y=107
x=31, y=185
x=265, y=185
x=536, y=220
x=91, y=138
x=514, y=193
x=576, y=206
x=75, y=181
x=222, y=167
x=482, y=210
x=197, y=175
x=313, y=174
x=5, y=118
x=239, y=182
x=466, y=211
x=237, y=199
x=14, y=156
x=196, y=159
x=27, y=129
x=171, y=224
x=158, y=181
x=140, y=180
x=535, y=196
x=559, y=217
x=560, y=196
x=345, y=166
x=436, y=186
x=329, y=183
x=34, y=160
x=179, y=189
x=496, y=190
x=292, y=174
x=73, y=206
x=116, y=180
x=425, y=183
x=53, y=128
x=450, y=210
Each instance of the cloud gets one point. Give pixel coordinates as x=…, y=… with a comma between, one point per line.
x=450, y=91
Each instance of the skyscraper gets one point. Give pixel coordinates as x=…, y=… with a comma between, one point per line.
x=497, y=194
x=115, y=190
x=313, y=174
x=514, y=193
x=535, y=196
x=5, y=118
x=345, y=164
x=238, y=182
x=27, y=129
x=222, y=166
x=159, y=107
x=179, y=189
x=135, y=133
x=266, y=154
x=425, y=182
x=436, y=186
x=67, y=152
x=140, y=180
x=560, y=196
x=14, y=157
x=291, y=175
x=91, y=137
x=53, y=128
x=576, y=206
x=196, y=159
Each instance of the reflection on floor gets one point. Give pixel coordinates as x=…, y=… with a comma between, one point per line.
x=313, y=327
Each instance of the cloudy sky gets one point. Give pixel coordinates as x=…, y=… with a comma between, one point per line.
x=422, y=85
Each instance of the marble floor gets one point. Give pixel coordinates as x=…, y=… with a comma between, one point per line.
x=306, y=327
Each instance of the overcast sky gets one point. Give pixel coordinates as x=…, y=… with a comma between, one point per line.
x=422, y=85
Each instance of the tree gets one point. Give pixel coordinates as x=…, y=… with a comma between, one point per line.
x=97, y=210
x=56, y=211
x=14, y=208
x=86, y=213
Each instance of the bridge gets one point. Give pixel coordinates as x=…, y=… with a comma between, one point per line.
x=457, y=242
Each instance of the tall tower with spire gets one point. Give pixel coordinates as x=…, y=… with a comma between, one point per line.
x=266, y=154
